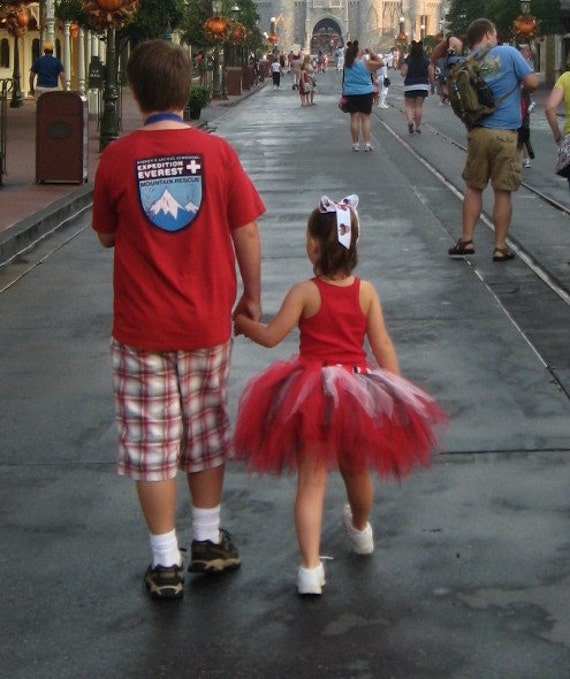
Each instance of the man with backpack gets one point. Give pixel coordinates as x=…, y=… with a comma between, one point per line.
x=492, y=152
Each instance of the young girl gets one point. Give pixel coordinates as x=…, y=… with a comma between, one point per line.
x=327, y=408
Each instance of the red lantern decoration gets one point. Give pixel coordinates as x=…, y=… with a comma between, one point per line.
x=272, y=39
x=238, y=33
x=217, y=28
x=23, y=18
x=110, y=5
x=104, y=14
x=17, y=20
x=526, y=27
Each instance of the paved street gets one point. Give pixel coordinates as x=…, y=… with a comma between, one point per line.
x=470, y=575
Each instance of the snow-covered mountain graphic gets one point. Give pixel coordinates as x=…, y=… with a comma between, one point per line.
x=169, y=214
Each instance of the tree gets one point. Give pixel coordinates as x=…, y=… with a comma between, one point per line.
x=71, y=10
x=503, y=14
x=461, y=14
x=199, y=11
x=156, y=19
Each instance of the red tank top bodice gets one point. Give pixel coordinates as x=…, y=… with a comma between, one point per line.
x=335, y=334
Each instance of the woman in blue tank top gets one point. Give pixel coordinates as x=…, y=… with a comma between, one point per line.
x=357, y=88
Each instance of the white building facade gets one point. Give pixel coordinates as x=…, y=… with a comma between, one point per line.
x=326, y=24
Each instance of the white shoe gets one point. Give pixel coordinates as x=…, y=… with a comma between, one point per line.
x=526, y=163
x=310, y=580
x=356, y=147
x=369, y=147
x=360, y=541
x=383, y=105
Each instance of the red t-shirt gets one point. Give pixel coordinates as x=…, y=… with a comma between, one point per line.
x=172, y=198
x=335, y=334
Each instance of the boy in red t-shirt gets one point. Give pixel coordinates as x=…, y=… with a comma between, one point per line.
x=178, y=208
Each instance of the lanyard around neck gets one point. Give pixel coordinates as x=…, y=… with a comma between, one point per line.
x=159, y=117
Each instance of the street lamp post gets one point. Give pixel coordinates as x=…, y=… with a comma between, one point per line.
x=217, y=92
x=109, y=15
x=273, y=35
x=17, y=24
x=402, y=38
x=109, y=119
x=526, y=26
x=17, y=100
x=234, y=13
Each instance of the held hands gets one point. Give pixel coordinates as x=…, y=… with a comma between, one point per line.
x=246, y=310
x=240, y=321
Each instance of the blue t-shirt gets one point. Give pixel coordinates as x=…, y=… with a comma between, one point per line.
x=48, y=69
x=503, y=69
x=357, y=80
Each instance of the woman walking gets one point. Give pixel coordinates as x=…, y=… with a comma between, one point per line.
x=418, y=73
x=358, y=90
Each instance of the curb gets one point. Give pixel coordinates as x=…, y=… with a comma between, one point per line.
x=26, y=233
x=29, y=231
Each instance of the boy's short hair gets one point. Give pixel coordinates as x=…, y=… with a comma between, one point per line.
x=477, y=30
x=159, y=74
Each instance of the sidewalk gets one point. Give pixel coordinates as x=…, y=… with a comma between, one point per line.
x=29, y=210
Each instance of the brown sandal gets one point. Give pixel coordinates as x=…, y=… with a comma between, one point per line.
x=505, y=255
x=462, y=247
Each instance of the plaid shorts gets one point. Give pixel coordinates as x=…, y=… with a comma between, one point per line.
x=171, y=410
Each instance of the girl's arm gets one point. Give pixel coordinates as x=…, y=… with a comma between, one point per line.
x=376, y=331
x=281, y=325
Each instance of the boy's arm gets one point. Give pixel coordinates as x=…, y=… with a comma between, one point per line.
x=107, y=240
x=247, y=247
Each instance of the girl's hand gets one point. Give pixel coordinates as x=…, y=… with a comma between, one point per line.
x=238, y=324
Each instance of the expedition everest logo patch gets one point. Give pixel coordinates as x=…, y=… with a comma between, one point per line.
x=170, y=190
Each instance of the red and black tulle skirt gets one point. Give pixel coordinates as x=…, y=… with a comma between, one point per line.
x=368, y=419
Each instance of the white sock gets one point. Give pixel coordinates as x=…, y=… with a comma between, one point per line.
x=165, y=549
x=206, y=524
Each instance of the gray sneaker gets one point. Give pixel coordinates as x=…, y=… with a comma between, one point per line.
x=208, y=557
x=164, y=582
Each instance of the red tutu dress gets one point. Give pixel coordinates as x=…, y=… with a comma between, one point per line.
x=328, y=402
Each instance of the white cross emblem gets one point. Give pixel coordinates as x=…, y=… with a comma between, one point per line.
x=193, y=166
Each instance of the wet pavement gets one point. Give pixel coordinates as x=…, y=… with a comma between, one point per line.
x=470, y=575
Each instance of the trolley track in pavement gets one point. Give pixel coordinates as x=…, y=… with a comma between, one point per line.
x=536, y=303
x=537, y=192
x=540, y=271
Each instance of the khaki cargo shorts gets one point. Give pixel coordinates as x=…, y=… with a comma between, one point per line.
x=492, y=155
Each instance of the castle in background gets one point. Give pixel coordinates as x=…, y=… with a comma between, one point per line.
x=314, y=25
